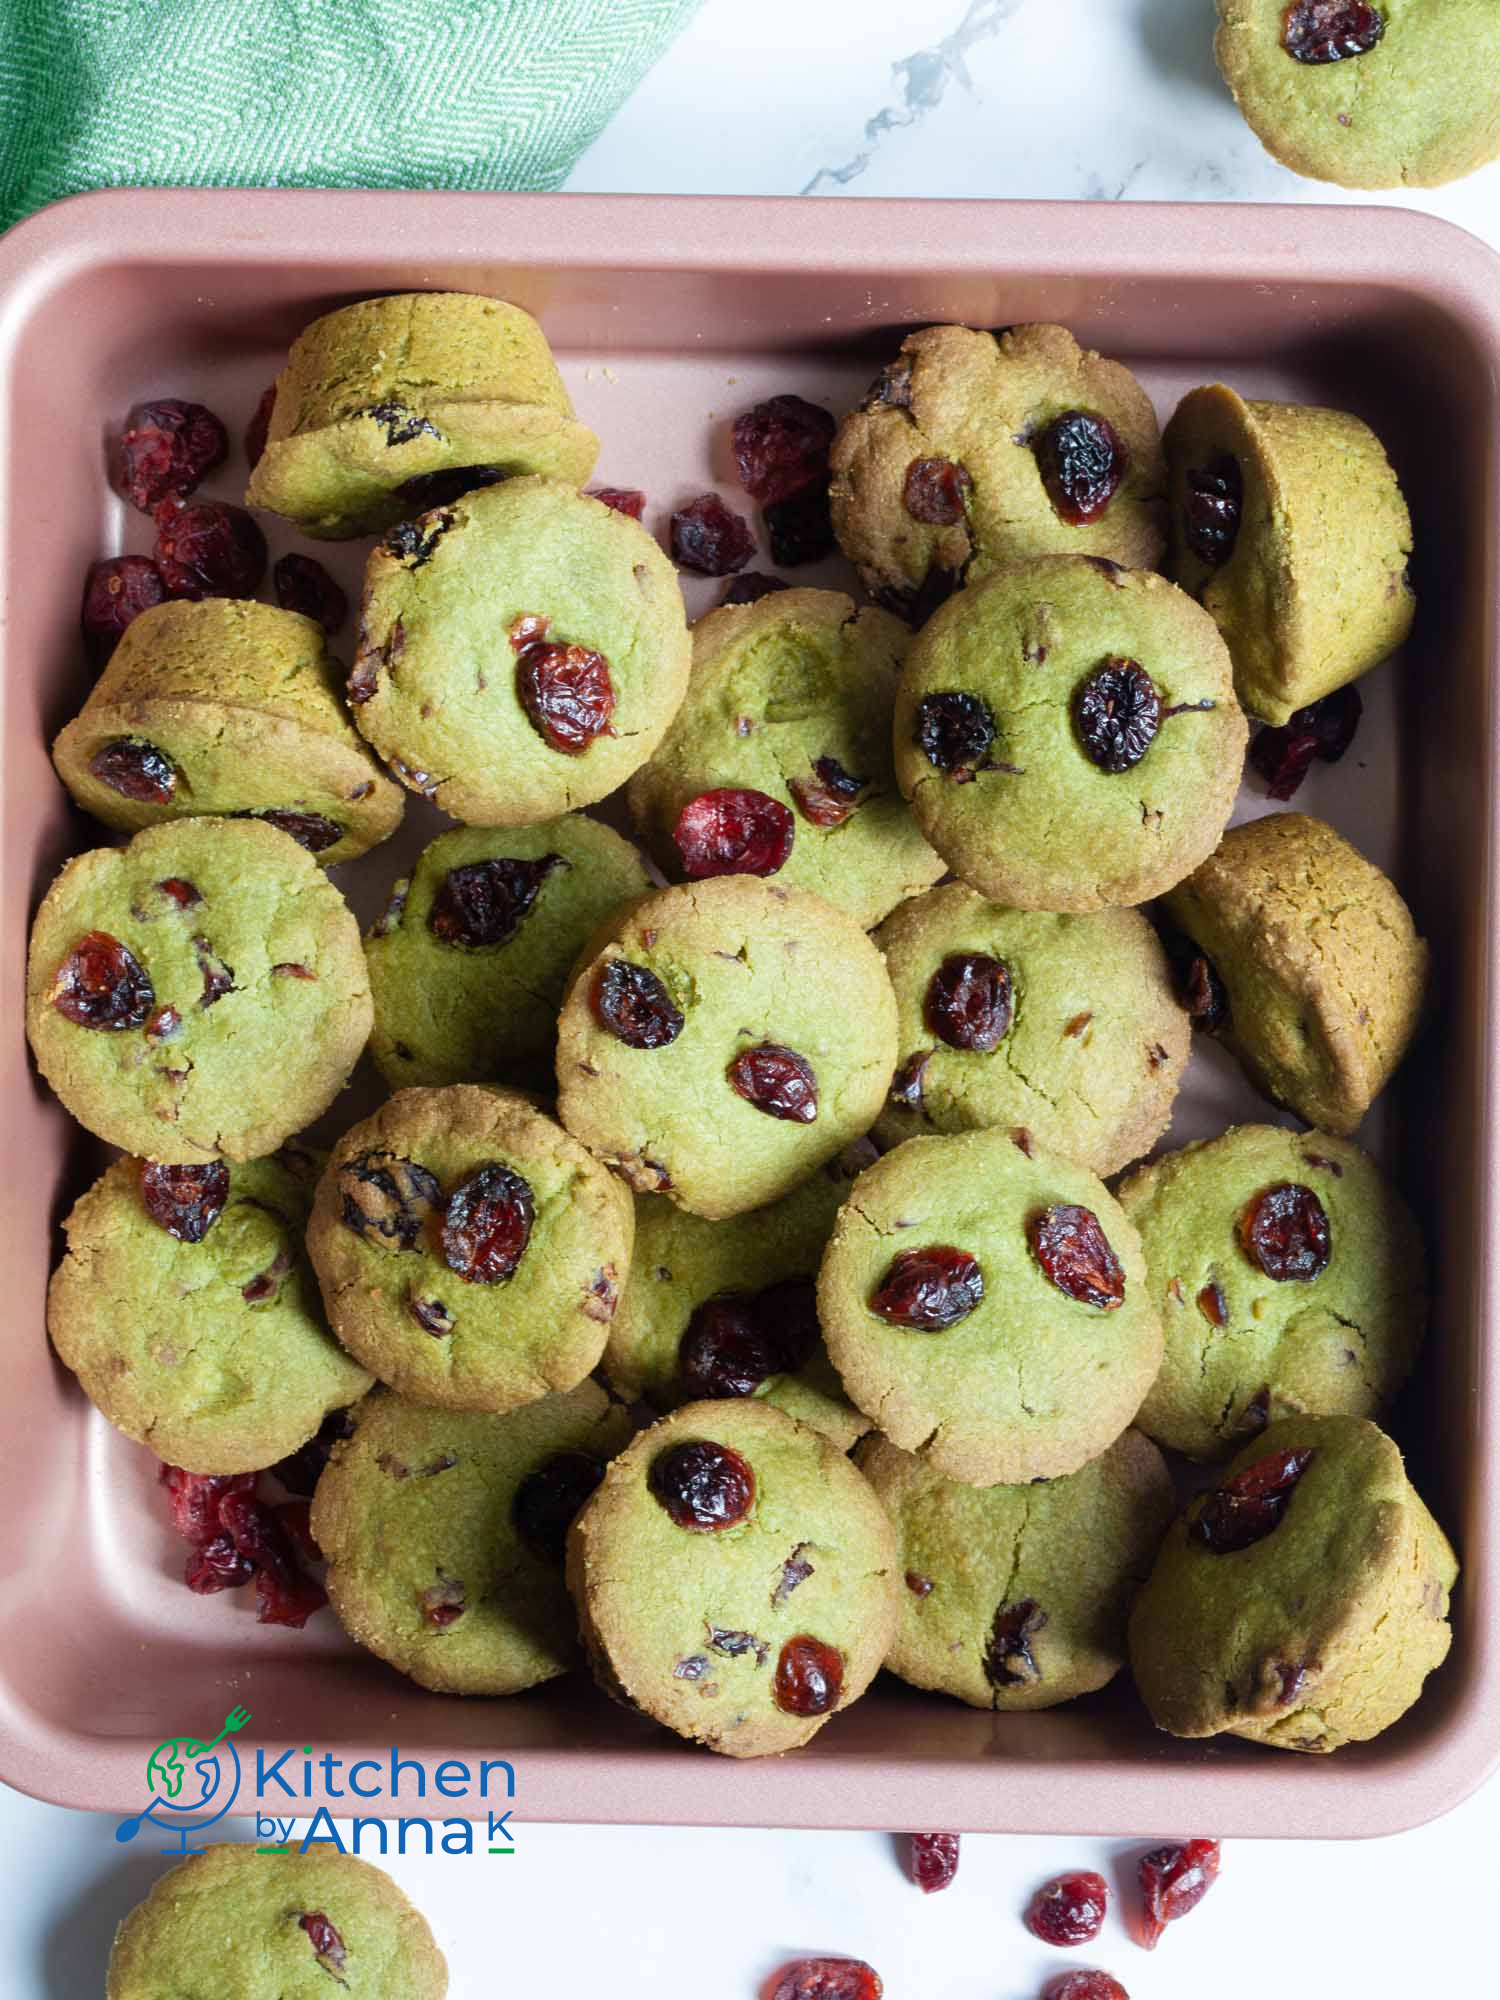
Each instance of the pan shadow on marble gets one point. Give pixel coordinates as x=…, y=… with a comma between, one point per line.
x=1179, y=37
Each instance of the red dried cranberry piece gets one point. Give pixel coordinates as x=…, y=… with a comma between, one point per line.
x=258, y=426
x=968, y=1003
x=733, y=831
x=135, y=770
x=933, y=1860
x=207, y=549
x=1284, y=1232
x=787, y=1315
x=547, y=1499
x=427, y=490
x=631, y=1002
x=751, y=585
x=1211, y=513
x=1326, y=31
x=829, y=796
x=169, y=447
x=114, y=592
x=781, y=446
x=164, y=1025
x=955, y=732
x=1173, y=1881
x=216, y=1565
x=1213, y=1305
x=809, y=1676
x=776, y=1080
x=1069, y=1909
x=302, y=584
x=432, y=1316
x=566, y=690
x=487, y=1225
x=919, y=1585
x=325, y=1940
x=218, y=978
x=301, y=1472
x=627, y=500
x=1073, y=1250
x=387, y=1200
x=444, y=1603
x=724, y=1351
x=935, y=490
x=706, y=536
x=828, y=1979
x=1117, y=713
x=285, y=1595
x=1008, y=1658
x=1084, y=1986
x=1082, y=460
x=1284, y=756
x=185, y=1201
x=101, y=984
x=193, y=1500
x=314, y=831
x=800, y=529
x=484, y=902
x=1246, y=1508
x=1205, y=995
x=929, y=1290
x=703, y=1486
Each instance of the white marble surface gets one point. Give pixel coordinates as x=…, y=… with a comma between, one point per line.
x=1100, y=99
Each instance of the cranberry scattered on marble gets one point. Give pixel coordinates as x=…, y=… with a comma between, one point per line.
x=932, y=1860
x=828, y=1979
x=1174, y=1880
x=1070, y=1909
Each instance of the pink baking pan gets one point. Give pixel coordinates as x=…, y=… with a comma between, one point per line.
x=668, y=316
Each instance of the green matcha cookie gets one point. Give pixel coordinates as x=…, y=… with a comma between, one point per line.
x=790, y=700
x=1063, y=1027
x=729, y=1308
x=1290, y=1277
x=726, y=1039
x=470, y=1253
x=734, y=1578
x=1321, y=974
x=235, y=1924
x=232, y=708
x=444, y=1533
x=1289, y=528
x=230, y=1366
x=1016, y=1597
x=986, y=1305
x=199, y=992
x=395, y=405
x=974, y=450
x=469, y=961
x=1301, y=1602
x=1068, y=736
x=1396, y=95
x=521, y=652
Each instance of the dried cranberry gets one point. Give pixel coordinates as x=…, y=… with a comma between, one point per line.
x=733, y=831
x=968, y=1003
x=218, y=978
x=444, y=1602
x=929, y=1290
x=1205, y=995
x=1082, y=460
x=186, y=895
x=414, y=543
x=828, y=1979
x=286, y=1596
x=216, y=1565
x=1069, y=1909
x=724, y=1351
x=908, y=1084
x=1211, y=513
x=776, y=1080
x=809, y=1676
x=300, y=1472
x=207, y=549
x=933, y=1860
x=427, y=490
x=258, y=426
x=829, y=796
x=135, y=770
x=1213, y=1305
x=484, y=902
x=781, y=446
x=1084, y=1986
x=627, y=500
x=1246, y=1508
x=302, y=584
x=296, y=1517
x=919, y=1585
x=1326, y=31
x=387, y=1200
x=1008, y=1658
x=1071, y=1247
x=751, y=585
x=164, y=1025
x=1173, y=1881
x=703, y=1486
x=565, y=690
x=708, y=538
x=547, y=1499
x=169, y=447
x=935, y=490
x=114, y=592
x=788, y=1316
x=1117, y=713
x=794, y=1570
x=800, y=529
x=1284, y=1232
x=314, y=831
x=631, y=1002
x=193, y=1500
x=1284, y=756
x=101, y=984
x=185, y=1201
x=325, y=1940
x=431, y=1315
x=955, y=732
x=487, y=1225
x=401, y=422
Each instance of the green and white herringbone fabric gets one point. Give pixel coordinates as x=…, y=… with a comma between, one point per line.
x=312, y=93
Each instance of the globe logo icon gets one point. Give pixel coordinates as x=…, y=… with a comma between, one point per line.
x=192, y=1784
